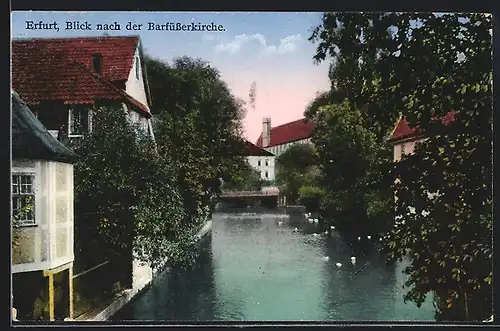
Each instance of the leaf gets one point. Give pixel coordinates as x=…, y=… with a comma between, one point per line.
x=410, y=104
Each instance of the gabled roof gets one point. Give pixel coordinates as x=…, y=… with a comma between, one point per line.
x=60, y=69
x=402, y=129
x=72, y=83
x=31, y=140
x=117, y=53
x=289, y=132
x=254, y=150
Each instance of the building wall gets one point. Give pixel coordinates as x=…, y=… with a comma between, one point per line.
x=280, y=149
x=263, y=168
x=49, y=243
x=143, y=122
x=405, y=147
x=135, y=86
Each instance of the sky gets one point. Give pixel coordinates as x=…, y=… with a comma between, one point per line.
x=269, y=48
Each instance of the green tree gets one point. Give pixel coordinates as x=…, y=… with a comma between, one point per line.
x=199, y=127
x=126, y=196
x=351, y=158
x=424, y=65
x=244, y=178
x=292, y=169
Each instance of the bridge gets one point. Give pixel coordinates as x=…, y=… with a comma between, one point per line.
x=268, y=198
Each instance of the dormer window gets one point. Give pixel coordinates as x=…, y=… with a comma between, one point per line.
x=137, y=68
x=97, y=63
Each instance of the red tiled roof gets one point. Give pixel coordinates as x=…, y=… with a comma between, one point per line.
x=254, y=150
x=117, y=53
x=289, y=132
x=403, y=130
x=73, y=83
x=60, y=69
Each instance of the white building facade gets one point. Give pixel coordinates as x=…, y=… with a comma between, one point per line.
x=264, y=165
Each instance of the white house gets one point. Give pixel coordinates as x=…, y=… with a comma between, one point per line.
x=261, y=160
x=42, y=178
x=278, y=139
x=64, y=79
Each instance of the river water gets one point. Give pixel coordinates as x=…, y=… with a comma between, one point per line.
x=257, y=267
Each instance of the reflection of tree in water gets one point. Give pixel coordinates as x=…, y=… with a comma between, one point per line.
x=191, y=290
x=177, y=293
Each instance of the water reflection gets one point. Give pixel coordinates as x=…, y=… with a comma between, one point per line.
x=256, y=267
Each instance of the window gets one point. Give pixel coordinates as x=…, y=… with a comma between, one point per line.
x=79, y=121
x=267, y=163
x=137, y=68
x=403, y=147
x=266, y=174
x=258, y=163
x=23, y=198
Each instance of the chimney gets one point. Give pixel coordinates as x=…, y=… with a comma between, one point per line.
x=97, y=63
x=266, y=131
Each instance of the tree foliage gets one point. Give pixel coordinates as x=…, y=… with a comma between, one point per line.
x=295, y=168
x=351, y=157
x=424, y=65
x=126, y=196
x=199, y=127
x=244, y=178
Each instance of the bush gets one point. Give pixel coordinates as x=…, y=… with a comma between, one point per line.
x=126, y=193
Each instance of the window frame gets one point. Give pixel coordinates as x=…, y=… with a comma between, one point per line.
x=32, y=194
x=71, y=114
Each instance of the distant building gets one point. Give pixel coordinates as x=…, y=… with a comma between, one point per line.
x=261, y=160
x=63, y=80
x=404, y=139
x=42, y=258
x=278, y=139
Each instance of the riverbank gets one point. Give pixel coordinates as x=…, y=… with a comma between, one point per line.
x=143, y=276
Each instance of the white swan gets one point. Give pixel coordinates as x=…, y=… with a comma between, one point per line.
x=295, y=229
x=326, y=258
x=316, y=220
x=380, y=239
x=359, y=238
x=332, y=227
x=326, y=232
x=338, y=264
x=369, y=237
x=315, y=234
x=280, y=223
x=310, y=220
x=353, y=258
